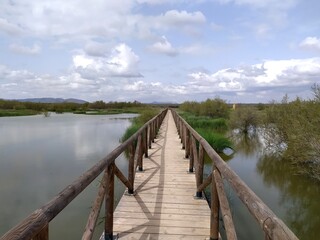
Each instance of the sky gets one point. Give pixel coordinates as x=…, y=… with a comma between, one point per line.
x=249, y=51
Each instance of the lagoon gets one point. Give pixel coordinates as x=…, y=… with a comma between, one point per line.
x=40, y=156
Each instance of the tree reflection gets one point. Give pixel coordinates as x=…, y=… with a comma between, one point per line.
x=299, y=195
x=246, y=143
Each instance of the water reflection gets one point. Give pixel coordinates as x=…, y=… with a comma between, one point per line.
x=40, y=156
x=248, y=143
x=299, y=196
x=293, y=198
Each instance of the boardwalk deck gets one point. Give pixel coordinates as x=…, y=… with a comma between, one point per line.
x=164, y=206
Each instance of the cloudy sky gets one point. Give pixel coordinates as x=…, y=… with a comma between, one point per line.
x=159, y=50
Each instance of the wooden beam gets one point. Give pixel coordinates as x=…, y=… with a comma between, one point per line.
x=95, y=210
x=224, y=206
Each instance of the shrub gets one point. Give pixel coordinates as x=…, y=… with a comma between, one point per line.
x=244, y=119
x=217, y=141
x=138, y=122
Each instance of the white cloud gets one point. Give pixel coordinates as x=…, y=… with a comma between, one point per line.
x=20, y=49
x=176, y=18
x=9, y=28
x=72, y=18
x=122, y=62
x=271, y=75
x=164, y=47
x=96, y=49
x=312, y=43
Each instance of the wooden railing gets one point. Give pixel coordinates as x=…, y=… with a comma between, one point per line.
x=36, y=225
x=272, y=226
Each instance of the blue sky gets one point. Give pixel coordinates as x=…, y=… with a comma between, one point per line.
x=159, y=50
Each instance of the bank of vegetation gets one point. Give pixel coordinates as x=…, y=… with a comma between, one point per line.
x=17, y=108
x=209, y=119
x=145, y=115
x=290, y=129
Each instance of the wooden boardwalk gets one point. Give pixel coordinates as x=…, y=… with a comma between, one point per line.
x=163, y=206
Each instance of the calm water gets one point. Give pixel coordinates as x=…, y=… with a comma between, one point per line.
x=39, y=156
x=293, y=198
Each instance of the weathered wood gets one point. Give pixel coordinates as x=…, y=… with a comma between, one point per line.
x=131, y=170
x=145, y=142
x=164, y=203
x=224, y=206
x=183, y=139
x=268, y=221
x=43, y=235
x=199, y=170
x=122, y=178
x=137, y=156
x=206, y=183
x=109, y=202
x=187, y=152
x=37, y=220
x=193, y=153
x=95, y=210
x=214, y=219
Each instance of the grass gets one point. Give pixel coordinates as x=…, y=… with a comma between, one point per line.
x=15, y=113
x=216, y=140
x=211, y=129
x=108, y=111
x=145, y=115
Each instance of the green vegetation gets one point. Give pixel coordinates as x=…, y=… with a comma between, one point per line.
x=244, y=118
x=218, y=141
x=145, y=115
x=214, y=108
x=292, y=129
x=15, y=113
x=16, y=108
x=208, y=118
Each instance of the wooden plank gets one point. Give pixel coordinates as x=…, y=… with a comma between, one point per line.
x=163, y=230
x=163, y=206
x=135, y=204
x=165, y=223
x=150, y=236
x=161, y=216
x=153, y=210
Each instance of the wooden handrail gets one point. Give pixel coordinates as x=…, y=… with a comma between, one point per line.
x=36, y=224
x=273, y=227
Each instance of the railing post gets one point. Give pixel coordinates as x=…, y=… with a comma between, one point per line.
x=139, y=153
x=191, y=156
x=108, y=228
x=199, y=170
x=140, y=159
x=131, y=168
x=214, y=217
x=184, y=129
x=153, y=130
x=146, y=142
x=150, y=136
x=187, y=152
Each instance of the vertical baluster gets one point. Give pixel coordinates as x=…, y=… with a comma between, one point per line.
x=214, y=217
x=191, y=157
x=187, y=152
x=131, y=168
x=199, y=169
x=146, y=142
x=109, y=202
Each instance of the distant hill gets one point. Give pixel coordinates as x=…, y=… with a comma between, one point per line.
x=52, y=100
